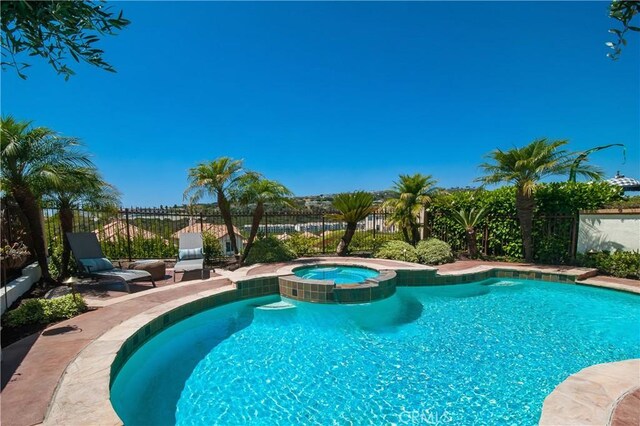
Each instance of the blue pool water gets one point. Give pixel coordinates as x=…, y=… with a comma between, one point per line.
x=479, y=353
x=337, y=274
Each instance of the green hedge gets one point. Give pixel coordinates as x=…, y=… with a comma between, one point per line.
x=552, y=237
x=44, y=311
x=622, y=264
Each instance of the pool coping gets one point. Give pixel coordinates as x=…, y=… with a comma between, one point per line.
x=591, y=396
x=92, y=365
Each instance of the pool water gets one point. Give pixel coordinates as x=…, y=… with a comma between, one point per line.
x=479, y=353
x=337, y=274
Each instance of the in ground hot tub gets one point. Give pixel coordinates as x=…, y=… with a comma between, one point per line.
x=337, y=274
x=337, y=284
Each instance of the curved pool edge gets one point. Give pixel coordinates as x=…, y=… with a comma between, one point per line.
x=83, y=393
x=591, y=396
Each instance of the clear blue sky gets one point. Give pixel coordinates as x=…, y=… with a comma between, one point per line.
x=330, y=97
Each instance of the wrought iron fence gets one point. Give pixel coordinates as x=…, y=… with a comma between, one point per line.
x=555, y=237
x=136, y=233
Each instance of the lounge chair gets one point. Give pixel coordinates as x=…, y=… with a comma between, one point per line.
x=190, y=254
x=92, y=262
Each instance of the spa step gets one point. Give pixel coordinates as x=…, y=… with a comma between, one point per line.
x=276, y=306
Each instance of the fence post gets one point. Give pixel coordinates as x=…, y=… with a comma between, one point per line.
x=324, y=248
x=374, y=224
x=201, y=223
x=575, y=223
x=126, y=216
x=266, y=225
x=7, y=218
x=486, y=240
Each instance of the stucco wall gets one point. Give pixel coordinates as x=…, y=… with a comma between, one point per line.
x=16, y=288
x=605, y=230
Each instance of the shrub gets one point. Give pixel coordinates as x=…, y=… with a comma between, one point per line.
x=303, y=245
x=434, y=252
x=365, y=241
x=212, y=248
x=55, y=260
x=44, y=311
x=268, y=250
x=397, y=250
x=622, y=264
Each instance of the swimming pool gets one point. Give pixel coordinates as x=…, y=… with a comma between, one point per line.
x=481, y=353
x=336, y=273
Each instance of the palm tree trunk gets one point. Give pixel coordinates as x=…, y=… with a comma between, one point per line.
x=415, y=234
x=343, y=245
x=225, y=211
x=472, y=243
x=525, y=204
x=66, y=225
x=255, y=225
x=31, y=209
x=405, y=235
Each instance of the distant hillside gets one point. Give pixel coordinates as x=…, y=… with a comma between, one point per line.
x=319, y=202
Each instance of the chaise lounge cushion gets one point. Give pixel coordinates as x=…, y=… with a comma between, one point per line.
x=189, y=265
x=125, y=275
x=189, y=254
x=97, y=264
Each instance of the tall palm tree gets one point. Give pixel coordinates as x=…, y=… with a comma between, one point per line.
x=253, y=189
x=525, y=167
x=411, y=194
x=217, y=178
x=469, y=220
x=352, y=207
x=81, y=186
x=34, y=160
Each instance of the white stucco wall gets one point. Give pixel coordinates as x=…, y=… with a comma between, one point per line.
x=16, y=288
x=599, y=231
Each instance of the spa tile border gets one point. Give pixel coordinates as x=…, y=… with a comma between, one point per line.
x=323, y=291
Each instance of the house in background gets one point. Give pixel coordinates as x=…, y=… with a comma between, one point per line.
x=118, y=229
x=218, y=231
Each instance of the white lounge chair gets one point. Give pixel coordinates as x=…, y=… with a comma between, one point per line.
x=190, y=254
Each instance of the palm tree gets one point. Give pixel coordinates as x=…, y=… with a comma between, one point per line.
x=584, y=156
x=353, y=207
x=81, y=186
x=469, y=220
x=34, y=160
x=525, y=167
x=411, y=194
x=253, y=189
x=217, y=178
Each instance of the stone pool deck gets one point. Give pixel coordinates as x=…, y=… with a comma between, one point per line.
x=32, y=368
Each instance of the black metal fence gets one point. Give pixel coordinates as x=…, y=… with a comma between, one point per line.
x=138, y=233
x=555, y=237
